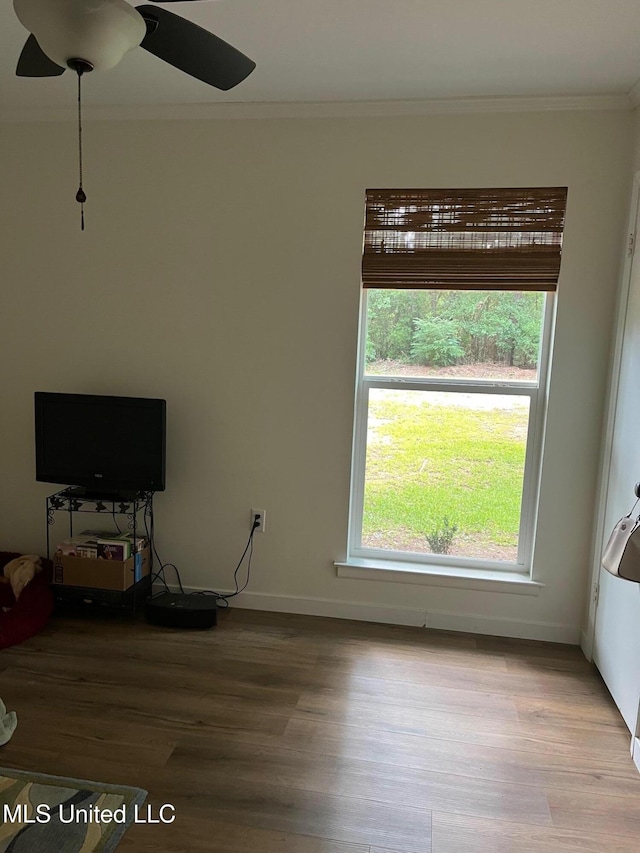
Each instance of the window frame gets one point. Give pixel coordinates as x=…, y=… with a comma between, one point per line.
x=536, y=391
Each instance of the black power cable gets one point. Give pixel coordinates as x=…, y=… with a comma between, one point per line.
x=222, y=599
x=150, y=531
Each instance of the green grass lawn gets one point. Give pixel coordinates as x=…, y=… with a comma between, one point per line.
x=428, y=462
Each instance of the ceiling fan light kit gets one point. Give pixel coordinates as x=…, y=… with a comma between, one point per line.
x=99, y=31
x=87, y=35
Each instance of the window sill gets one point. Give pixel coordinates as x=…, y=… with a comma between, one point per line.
x=488, y=580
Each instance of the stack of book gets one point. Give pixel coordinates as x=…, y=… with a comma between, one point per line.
x=102, y=545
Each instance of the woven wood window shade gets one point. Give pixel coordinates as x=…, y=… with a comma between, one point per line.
x=468, y=239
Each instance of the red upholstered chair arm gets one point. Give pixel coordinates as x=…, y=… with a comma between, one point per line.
x=31, y=612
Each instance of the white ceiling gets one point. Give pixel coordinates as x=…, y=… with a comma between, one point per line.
x=367, y=50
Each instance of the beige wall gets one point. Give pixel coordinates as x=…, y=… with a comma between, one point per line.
x=220, y=270
x=636, y=144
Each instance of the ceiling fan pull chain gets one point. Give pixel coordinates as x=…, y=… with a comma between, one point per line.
x=80, y=195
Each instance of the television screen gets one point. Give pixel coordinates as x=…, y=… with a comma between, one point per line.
x=105, y=444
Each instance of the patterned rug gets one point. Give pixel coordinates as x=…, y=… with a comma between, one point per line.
x=55, y=814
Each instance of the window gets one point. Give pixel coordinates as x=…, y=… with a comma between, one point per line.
x=457, y=306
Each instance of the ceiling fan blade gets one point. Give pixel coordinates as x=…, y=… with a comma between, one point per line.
x=193, y=49
x=34, y=62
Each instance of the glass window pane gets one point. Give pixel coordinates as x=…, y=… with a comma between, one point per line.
x=444, y=472
x=468, y=334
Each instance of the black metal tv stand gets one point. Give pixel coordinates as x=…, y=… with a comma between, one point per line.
x=90, y=494
x=137, y=507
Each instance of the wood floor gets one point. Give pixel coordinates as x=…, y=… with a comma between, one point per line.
x=290, y=734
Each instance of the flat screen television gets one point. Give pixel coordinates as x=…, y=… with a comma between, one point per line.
x=106, y=445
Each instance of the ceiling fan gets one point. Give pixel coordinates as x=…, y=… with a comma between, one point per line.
x=87, y=35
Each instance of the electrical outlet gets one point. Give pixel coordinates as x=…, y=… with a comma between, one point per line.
x=260, y=514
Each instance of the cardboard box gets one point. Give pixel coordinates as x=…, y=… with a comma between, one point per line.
x=101, y=574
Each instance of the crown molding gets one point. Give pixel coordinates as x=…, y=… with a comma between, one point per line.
x=325, y=109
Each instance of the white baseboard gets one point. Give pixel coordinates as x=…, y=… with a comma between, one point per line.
x=329, y=607
x=467, y=623
x=499, y=627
